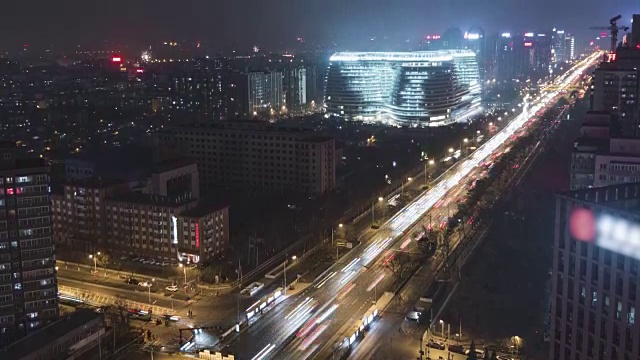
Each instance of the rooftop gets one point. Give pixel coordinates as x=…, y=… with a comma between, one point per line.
x=50, y=333
x=621, y=198
x=204, y=208
x=151, y=199
x=437, y=55
x=94, y=182
x=171, y=164
x=247, y=125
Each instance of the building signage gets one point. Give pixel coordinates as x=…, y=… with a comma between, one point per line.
x=471, y=36
x=174, y=228
x=606, y=231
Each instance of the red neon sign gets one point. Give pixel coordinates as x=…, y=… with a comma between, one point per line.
x=611, y=57
x=116, y=59
x=197, y=236
x=528, y=44
x=139, y=71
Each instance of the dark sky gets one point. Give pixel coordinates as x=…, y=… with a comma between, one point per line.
x=66, y=23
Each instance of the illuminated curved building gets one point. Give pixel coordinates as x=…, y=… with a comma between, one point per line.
x=424, y=88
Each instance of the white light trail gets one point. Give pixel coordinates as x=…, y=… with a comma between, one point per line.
x=327, y=278
x=264, y=352
x=326, y=314
x=297, y=308
x=375, y=282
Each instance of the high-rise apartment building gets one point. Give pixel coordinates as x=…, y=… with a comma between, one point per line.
x=295, y=87
x=28, y=281
x=265, y=92
x=616, y=89
x=594, y=294
x=248, y=154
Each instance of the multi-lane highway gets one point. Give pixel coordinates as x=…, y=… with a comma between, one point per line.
x=313, y=323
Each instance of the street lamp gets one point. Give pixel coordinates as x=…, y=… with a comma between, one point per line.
x=184, y=269
x=149, y=287
x=442, y=323
x=95, y=262
x=451, y=150
x=464, y=141
x=402, y=185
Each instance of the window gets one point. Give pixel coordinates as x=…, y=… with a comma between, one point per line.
x=631, y=316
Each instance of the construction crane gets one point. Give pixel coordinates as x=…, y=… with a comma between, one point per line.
x=613, y=28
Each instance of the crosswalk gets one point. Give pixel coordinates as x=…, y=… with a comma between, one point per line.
x=97, y=299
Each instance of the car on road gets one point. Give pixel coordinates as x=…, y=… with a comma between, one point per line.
x=171, y=317
x=503, y=357
x=459, y=349
x=172, y=288
x=145, y=284
x=436, y=345
x=132, y=281
x=479, y=353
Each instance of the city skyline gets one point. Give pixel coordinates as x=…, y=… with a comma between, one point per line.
x=279, y=24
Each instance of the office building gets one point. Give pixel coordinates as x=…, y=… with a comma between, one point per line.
x=615, y=89
x=635, y=31
x=75, y=336
x=505, y=59
x=426, y=88
x=475, y=40
x=28, y=280
x=559, y=46
x=248, y=154
x=594, y=294
x=593, y=141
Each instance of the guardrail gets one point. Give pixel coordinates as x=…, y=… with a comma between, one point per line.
x=97, y=300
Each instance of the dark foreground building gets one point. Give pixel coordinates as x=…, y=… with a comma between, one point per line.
x=28, y=281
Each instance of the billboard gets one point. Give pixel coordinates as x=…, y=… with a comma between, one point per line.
x=608, y=231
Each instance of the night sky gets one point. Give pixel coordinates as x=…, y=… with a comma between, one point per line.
x=270, y=23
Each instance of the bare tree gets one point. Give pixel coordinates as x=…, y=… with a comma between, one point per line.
x=399, y=264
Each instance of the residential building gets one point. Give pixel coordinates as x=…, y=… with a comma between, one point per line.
x=145, y=225
x=251, y=154
x=265, y=92
x=28, y=281
x=174, y=177
x=203, y=232
x=75, y=336
x=594, y=294
x=79, y=212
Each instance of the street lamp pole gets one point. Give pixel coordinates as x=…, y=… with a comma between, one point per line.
x=442, y=326
x=284, y=264
x=373, y=213
x=184, y=269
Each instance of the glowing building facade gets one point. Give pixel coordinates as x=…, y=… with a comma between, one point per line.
x=425, y=88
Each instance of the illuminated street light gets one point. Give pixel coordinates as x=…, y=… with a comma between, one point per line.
x=380, y=199
x=431, y=162
x=450, y=150
x=294, y=258
x=340, y=225
x=184, y=269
